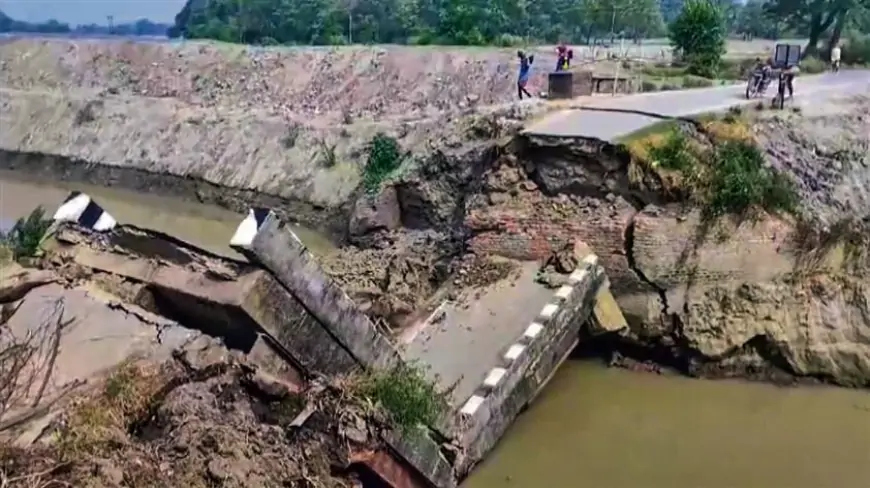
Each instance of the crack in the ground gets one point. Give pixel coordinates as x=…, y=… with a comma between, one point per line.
x=679, y=349
x=628, y=242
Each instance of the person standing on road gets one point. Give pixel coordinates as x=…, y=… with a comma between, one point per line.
x=835, y=58
x=563, y=57
x=788, y=76
x=525, y=71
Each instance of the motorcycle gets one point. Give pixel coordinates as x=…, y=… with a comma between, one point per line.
x=757, y=84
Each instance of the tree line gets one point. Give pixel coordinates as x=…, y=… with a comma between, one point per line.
x=142, y=27
x=498, y=22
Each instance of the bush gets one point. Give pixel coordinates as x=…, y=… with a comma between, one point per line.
x=856, y=51
x=739, y=180
x=692, y=81
x=384, y=157
x=26, y=235
x=812, y=65
x=508, y=40
x=698, y=34
x=736, y=69
x=674, y=153
x=405, y=394
x=670, y=87
x=648, y=86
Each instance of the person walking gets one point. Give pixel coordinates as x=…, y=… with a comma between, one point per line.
x=835, y=57
x=525, y=71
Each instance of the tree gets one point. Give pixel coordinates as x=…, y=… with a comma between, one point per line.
x=753, y=20
x=814, y=17
x=417, y=21
x=698, y=35
x=641, y=18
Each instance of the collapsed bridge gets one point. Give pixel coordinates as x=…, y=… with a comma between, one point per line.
x=278, y=306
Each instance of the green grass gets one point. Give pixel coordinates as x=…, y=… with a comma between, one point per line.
x=674, y=153
x=385, y=156
x=662, y=127
x=25, y=237
x=739, y=180
x=731, y=178
x=813, y=65
x=662, y=77
x=405, y=394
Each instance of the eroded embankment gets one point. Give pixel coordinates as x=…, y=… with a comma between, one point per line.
x=403, y=239
x=764, y=296
x=465, y=187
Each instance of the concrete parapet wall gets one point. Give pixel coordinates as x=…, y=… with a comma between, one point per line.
x=528, y=363
x=238, y=298
x=269, y=242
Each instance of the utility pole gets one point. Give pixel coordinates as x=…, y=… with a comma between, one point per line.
x=351, y=4
x=243, y=21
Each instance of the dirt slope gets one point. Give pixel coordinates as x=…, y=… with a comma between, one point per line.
x=318, y=86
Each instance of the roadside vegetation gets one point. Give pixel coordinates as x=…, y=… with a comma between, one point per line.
x=23, y=240
x=385, y=156
x=124, y=430
x=405, y=394
x=513, y=22
x=725, y=174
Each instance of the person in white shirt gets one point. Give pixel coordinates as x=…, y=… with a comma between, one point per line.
x=835, y=58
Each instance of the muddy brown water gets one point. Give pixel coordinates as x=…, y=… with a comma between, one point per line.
x=206, y=226
x=610, y=428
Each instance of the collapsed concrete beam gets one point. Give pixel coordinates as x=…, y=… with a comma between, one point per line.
x=528, y=364
x=248, y=304
x=236, y=299
x=267, y=241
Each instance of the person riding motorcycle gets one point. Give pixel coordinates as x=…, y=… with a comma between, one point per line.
x=763, y=70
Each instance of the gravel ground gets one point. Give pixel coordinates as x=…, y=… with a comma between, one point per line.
x=825, y=148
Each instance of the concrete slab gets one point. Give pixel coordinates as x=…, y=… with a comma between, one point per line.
x=461, y=348
x=609, y=126
x=595, y=125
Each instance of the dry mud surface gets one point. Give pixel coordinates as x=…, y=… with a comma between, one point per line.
x=99, y=392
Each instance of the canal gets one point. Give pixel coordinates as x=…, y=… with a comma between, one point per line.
x=593, y=426
x=206, y=226
x=611, y=428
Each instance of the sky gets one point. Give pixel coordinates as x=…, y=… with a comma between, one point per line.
x=91, y=11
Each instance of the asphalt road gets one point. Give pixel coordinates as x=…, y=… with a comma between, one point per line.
x=610, y=126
